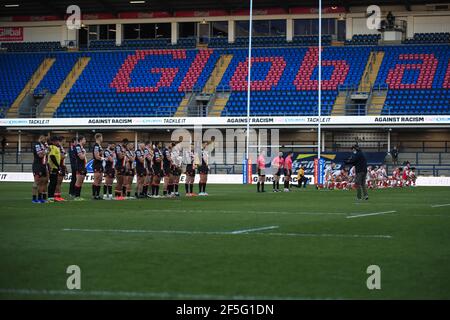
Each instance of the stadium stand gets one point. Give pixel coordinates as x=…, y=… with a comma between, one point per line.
x=416, y=77
x=364, y=40
x=139, y=83
x=161, y=43
x=15, y=71
x=270, y=41
x=154, y=82
x=32, y=46
x=429, y=38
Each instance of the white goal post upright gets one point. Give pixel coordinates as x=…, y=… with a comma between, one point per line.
x=319, y=93
x=250, y=31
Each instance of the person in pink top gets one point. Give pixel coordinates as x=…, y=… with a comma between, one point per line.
x=261, y=165
x=287, y=171
x=277, y=165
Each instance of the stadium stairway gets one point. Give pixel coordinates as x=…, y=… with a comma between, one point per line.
x=371, y=71
x=56, y=100
x=377, y=103
x=339, y=104
x=219, y=104
x=32, y=84
x=182, y=108
x=218, y=72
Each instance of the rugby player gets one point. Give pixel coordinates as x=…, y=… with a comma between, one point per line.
x=148, y=154
x=203, y=170
x=167, y=170
x=157, y=169
x=189, y=160
x=109, y=171
x=40, y=170
x=81, y=167
x=129, y=171
x=177, y=163
x=97, y=154
x=120, y=151
x=141, y=171
x=62, y=170
x=73, y=166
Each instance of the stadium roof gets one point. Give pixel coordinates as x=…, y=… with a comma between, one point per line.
x=58, y=7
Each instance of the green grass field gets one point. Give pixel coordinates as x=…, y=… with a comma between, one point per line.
x=213, y=248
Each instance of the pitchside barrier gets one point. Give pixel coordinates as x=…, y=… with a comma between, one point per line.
x=422, y=181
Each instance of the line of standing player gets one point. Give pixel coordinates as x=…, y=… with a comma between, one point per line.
x=151, y=164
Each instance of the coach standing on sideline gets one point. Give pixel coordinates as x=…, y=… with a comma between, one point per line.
x=359, y=161
x=73, y=165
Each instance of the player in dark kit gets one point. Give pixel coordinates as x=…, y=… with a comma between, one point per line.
x=167, y=170
x=97, y=154
x=157, y=169
x=148, y=155
x=63, y=170
x=203, y=169
x=73, y=166
x=189, y=160
x=141, y=172
x=40, y=170
x=109, y=171
x=81, y=167
x=129, y=171
x=120, y=151
x=177, y=162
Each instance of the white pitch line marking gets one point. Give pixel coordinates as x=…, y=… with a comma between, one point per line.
x=254, y=230
x=240, y=212
x=143, y=294
x=369, y=214
x=440, y=205
x=325, y=235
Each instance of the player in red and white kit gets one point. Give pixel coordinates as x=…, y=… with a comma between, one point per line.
x=396, y=180
x=405, y=175
x=382, y=178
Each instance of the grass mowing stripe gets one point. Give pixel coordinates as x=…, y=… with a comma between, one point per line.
x=143, y=295
x=369, y=214
x=325, y=235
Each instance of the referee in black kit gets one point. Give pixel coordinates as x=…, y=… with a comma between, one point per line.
x=359, y=161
